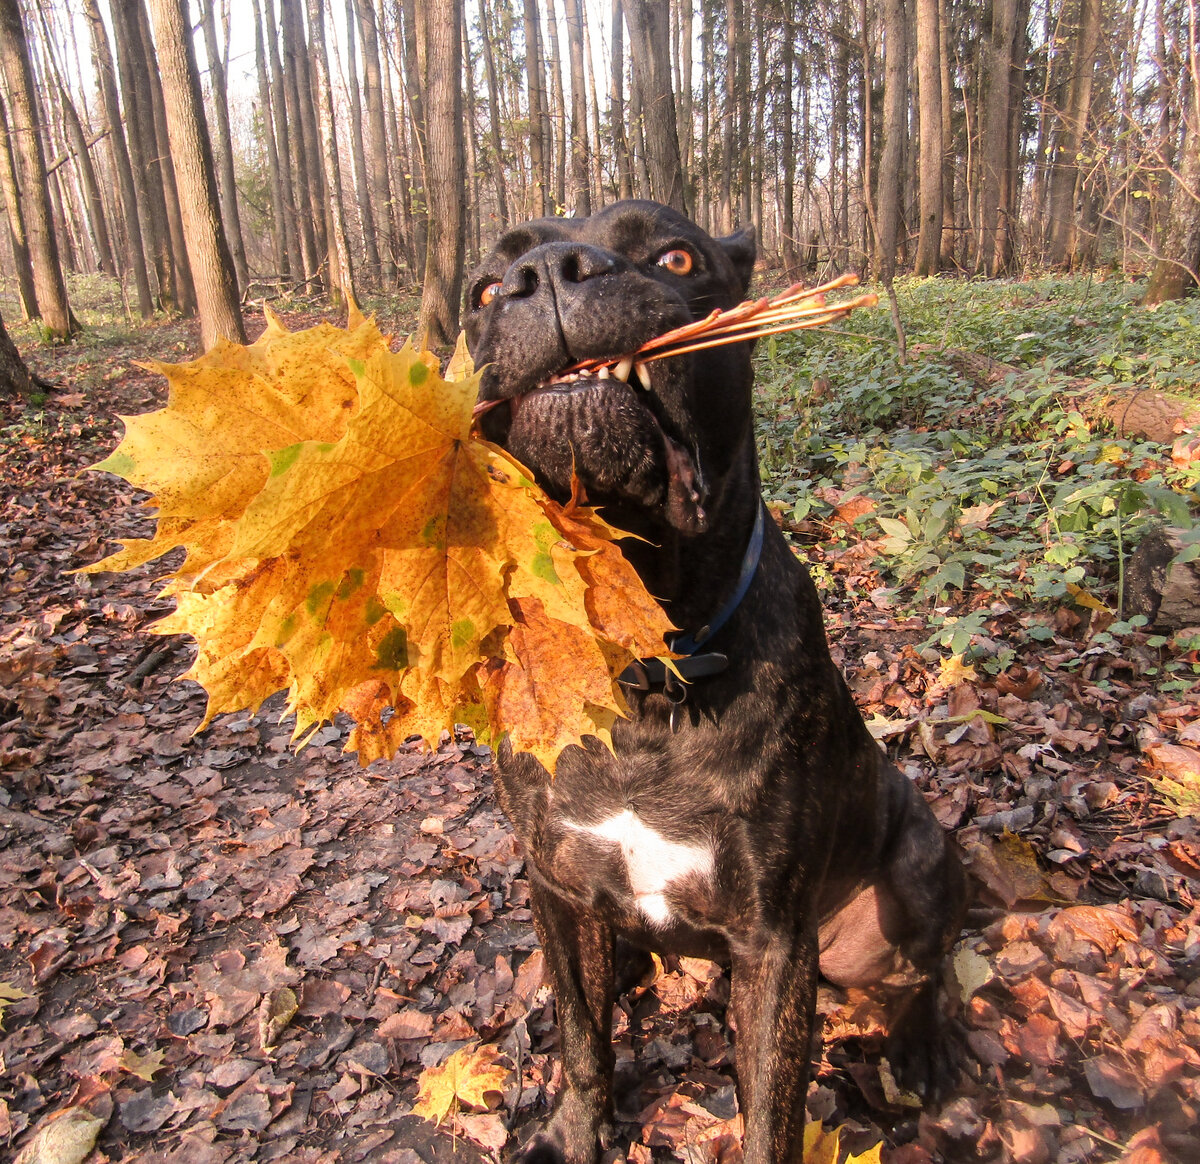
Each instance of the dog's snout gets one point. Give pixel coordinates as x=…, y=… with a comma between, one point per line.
x=579, y=264
x=556, y=264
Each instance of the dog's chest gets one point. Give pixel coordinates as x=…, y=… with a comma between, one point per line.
x=656, y=868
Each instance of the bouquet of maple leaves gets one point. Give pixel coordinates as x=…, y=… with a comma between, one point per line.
x=350, y=540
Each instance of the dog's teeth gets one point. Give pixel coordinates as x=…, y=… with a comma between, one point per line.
x=643, y=374
x=603, y=374
x=622, y=370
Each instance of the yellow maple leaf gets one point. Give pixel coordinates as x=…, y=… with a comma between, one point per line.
x=143, y=1066
x=9, y=993
x=822, y=1147
x=201, y=457
x=465, y=1079
x=349, y=539
x=953, y=671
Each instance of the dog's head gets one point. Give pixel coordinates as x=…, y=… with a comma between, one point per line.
x=557, y=291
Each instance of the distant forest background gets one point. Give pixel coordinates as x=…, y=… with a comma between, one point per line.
x=208, y=151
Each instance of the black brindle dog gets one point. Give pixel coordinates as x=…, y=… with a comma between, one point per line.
x=747, y=816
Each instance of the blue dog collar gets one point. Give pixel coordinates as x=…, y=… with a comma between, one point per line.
x=690, y=644
x=642, y=674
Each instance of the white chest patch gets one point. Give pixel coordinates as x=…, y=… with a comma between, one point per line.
x=652, y=862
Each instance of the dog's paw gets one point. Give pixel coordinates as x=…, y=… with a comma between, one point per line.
x=925, y=1058
x=564, y=1141
x=542, y=1148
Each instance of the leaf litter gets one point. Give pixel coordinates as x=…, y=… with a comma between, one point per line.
x=213, y=949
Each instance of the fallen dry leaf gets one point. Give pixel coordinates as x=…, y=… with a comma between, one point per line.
x=275, y=1012
x=143, y=1066
x=822, y=1147
x=65, y=1138
x=1103, y=926
x=467, y=1078
x=9, y=993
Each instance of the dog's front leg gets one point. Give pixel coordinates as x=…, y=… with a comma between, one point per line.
x=579, y=957
x=773, y=998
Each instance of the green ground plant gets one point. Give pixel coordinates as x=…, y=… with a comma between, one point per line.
x=1015, y=492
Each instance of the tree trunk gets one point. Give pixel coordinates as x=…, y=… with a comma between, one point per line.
x=637, y=147
x=947, y=248
x=1065, y=172
x=443, y=134
x=78, y=146
x=310, y=201
x=50, y=288
x=16, y=223
x=102, y=63
x=993, y=247
x=596, y=153
x=402, y=168
x=649, y=47
x=537, y=112
x=413, y=82
x=279, y=250
x=224, y=144
x=489, y=66
x=929, y=82
x=358, y=151
x=162, y=161
x=687, y=135
x=840, y=194
x=143, y=148
x=341, y=274
x=381, y=191
x=15, y=381
x=1178, y=266
x=704, y=203
x=581, y=190
x=191, y=150
x=733, y=16
x=293, y=249
x=616, y=105
x=64, y=214
x=786, y=115
x=557, y=121
x=474, y=210
x=895, y=125
x=741, y=43
x=756, y=151
x=106, y=261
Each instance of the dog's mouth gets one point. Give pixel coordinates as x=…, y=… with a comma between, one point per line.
x=604, y=425
x=615, y=374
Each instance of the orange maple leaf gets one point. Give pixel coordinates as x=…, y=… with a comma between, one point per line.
x=349, y=539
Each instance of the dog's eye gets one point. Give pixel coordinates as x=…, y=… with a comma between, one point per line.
x=489, y=293
x=677, y=261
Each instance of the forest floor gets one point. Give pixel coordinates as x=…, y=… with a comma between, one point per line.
x=161, y=891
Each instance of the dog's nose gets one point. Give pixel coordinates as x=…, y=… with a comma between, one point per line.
x=556, y=264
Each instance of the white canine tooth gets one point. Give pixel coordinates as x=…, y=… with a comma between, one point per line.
x=603, y=374
x=622, y=370
x=643, y=373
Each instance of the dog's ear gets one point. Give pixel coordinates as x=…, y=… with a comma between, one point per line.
x=742, y=249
